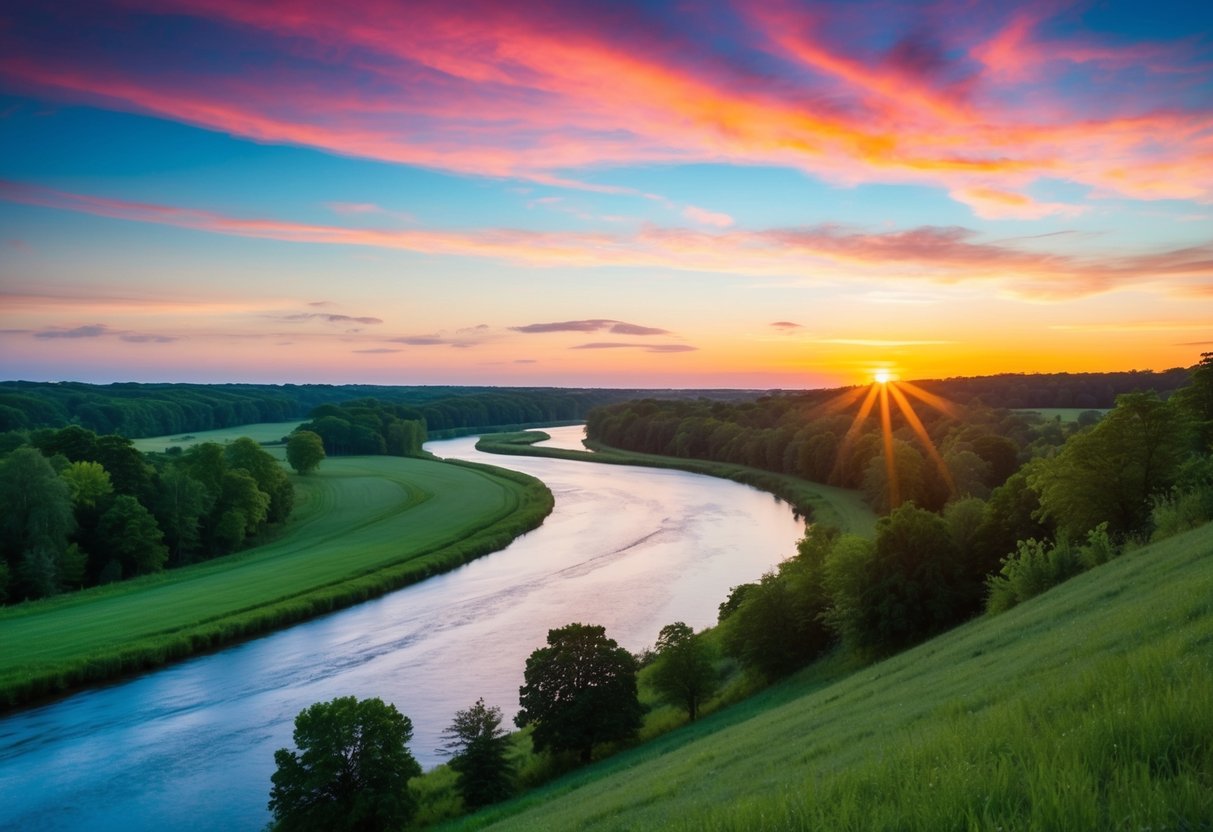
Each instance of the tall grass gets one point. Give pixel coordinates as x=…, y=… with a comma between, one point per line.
x=1086, y=708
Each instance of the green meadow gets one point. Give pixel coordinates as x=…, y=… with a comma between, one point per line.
x=1086, y=708
x=361, y=527
x=263, y=433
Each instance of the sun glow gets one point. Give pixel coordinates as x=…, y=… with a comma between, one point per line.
x=883, y=389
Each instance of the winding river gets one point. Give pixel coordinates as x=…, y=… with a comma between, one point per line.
x=191, y=746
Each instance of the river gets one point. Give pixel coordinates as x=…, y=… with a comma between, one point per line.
x=192, y=745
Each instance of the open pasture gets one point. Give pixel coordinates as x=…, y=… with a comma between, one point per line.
x=262, y=433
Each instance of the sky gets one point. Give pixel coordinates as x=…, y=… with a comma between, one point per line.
x=683, y=194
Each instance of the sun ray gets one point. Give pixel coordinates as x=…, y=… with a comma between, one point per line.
x=840, y=402
x=942, y=405
x=916, y=425
x=886, y=431
x=844, y=447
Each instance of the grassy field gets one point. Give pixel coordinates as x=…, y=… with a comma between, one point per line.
x=264, y=432
x=823, y=503
x=1087, y=708
x=1064, y=414
x=361, y=527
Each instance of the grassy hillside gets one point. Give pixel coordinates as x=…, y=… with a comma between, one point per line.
x=1087, y=708
x=361, y=526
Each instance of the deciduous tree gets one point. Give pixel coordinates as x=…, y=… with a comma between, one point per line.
x=305, y=451
x=684, y=674
x=351, y=770
x=580, y=690
x=480, y=749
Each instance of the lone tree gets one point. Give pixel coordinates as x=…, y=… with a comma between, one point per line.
x=580, y=690
x=480, y=747
x=304, y=451
x=351, y=771
x=684, y=674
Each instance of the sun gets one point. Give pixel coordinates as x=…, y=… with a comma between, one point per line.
x=882, y=376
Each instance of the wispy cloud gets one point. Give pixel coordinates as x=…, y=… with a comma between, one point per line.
x=378, y=350
x=327, y=317
x=102, y=331
x=591, y=325
x=786, y=326
x=703, y=216
x=614, y=345
x=87, y=331
x=946, y=255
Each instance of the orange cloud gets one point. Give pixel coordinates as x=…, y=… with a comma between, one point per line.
x=828, y=252
x=515, y=90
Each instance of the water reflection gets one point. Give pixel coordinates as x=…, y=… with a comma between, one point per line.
x=192, y=745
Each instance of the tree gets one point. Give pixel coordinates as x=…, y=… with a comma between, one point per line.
x=351, y=771
x=579, y=690
x=129, y=535
x=910, y=584
x=88, y=482
x=181, y=504
x=480, y=747
x=1112, y=471
x=245, y=454
x=35, y=523
x=684, y=674
x=304, y=451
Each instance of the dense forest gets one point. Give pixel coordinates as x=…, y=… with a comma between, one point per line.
x=138, y=410
x=84, y=509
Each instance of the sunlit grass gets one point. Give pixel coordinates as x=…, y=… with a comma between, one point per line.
x=1086, y=708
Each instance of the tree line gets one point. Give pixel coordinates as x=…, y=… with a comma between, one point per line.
x=84, y=509
x=139, y=410
x=1142, y=472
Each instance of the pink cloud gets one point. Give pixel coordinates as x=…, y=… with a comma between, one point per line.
x=518, y=90
x=824, y=252
x=703, y=216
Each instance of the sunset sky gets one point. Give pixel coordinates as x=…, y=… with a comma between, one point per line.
x=680, y=194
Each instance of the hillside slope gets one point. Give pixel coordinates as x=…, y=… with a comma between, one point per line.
x=1090, y=707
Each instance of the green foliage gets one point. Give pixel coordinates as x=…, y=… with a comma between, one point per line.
x=1038, y=565
x=779, y=627
x=88, y=482
x=910, y=584
x=1197, y=400
x=315, y=566
x=182, y=503
x=579, y=691
x=368, y=426
x=1114, y=470
x=350, y=772
x=304, y=451
x=132, y=538
x=35, y=523
x=481, y=755
x=1083, y=709
x=684, y=673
